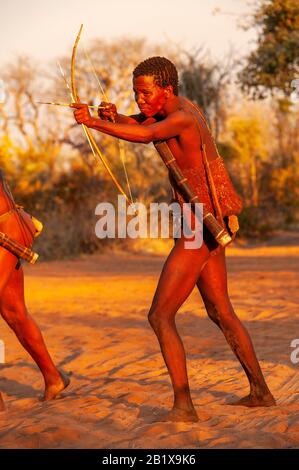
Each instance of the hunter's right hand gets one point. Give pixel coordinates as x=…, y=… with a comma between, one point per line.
x=107, y=111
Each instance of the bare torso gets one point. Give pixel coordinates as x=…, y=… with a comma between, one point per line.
x=186, y=146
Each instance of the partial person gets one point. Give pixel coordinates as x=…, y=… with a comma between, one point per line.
x=17, y=225
x=166, y=116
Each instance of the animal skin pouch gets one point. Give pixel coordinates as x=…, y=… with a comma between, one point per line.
x=33, y=225
x=30, y=226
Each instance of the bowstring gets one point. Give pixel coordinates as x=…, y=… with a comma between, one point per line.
x=120, y=142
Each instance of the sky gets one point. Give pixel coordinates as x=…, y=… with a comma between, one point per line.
x=46, y=29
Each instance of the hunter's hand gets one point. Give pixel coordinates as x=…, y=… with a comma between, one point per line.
x=107, y=111
x=82, y=114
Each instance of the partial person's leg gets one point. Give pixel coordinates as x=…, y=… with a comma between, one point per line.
x=177, y=280
x=14, y=312
x=2, y=407
x=212, y=285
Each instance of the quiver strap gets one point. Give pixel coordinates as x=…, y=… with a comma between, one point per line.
x=226, y=201
x=216, y=229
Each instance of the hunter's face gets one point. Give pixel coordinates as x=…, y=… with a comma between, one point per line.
x=149, y=96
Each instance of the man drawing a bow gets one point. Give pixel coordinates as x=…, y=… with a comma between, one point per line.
x=166, y=116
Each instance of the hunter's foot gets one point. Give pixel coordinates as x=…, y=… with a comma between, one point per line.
x=54, y=389
x=179, y=415
x=252, y=400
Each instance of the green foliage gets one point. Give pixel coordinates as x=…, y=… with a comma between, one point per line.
x=228, y=151
x=275, y=61
x=257, y=222
x=285, y=187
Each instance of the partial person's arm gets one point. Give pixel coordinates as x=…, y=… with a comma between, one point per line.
x=170, y=127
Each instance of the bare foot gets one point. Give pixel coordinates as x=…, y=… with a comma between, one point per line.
x=251, y=401
x=2, y=406
x=54, y=389
x=178, y=415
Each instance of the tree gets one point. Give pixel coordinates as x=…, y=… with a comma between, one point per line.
x=205, y=82
x=274, y=63
x=248, y=141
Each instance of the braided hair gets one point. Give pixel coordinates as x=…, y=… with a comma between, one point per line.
x=163, y=71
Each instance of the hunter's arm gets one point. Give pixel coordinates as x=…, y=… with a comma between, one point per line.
x=133, y=119
x=171, y=126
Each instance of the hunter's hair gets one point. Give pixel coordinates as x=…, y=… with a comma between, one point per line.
x=163, y=71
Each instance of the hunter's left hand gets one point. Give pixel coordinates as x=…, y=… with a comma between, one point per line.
x=82, y=114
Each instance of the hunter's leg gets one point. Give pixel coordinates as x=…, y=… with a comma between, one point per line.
x=14, y=312
x=177, y=280
x=212, y=285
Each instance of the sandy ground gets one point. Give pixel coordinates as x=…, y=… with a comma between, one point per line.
x=93, y=313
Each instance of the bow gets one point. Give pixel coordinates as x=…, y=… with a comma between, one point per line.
x=120, y=142
x=92, y=143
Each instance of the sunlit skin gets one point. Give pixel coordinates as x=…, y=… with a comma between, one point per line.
x=2, y=407
x=13, y=309
x=165, y=116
